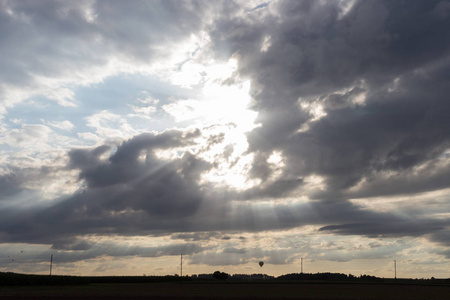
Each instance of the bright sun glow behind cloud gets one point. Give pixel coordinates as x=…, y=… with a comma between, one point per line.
x=218, y=104
x=222, y=107
x=223, y=98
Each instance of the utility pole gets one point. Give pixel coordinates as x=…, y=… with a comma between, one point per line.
x=181, y=265
x=301, y=265
x=395, y=269
x=51, y=264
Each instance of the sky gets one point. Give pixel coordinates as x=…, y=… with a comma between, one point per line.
x=231, y=132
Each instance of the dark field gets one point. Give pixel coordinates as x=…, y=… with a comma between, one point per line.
x=189, y=290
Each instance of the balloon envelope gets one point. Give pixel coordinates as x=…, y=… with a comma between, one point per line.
x=261, y=263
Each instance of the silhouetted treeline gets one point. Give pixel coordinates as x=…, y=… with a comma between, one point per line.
x=136, y=279
x=220, y=275
x=362, y=278
x=7, y=279
x=327, y=277
x=26, y=279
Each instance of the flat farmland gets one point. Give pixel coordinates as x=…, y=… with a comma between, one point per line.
x=191, y=290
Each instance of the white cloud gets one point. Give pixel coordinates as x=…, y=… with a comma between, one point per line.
x=266, y=43
x=143, y=111
x=29, y=135
x=63, y=125
x=110, y=126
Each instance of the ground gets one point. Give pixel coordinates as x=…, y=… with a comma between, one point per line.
x=176, y=290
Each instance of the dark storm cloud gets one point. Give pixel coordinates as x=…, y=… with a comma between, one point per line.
x=393, y=54
x=148, y=24
x=124, y=165
x=442, y=237
x=131, y=191
x=400, y=227
x=10, y=184
x=13, y=184
x=277, y=189
x=162, y=189
x=393, y=132
x=72, y=243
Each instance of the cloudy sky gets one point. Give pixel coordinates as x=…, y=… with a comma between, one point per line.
x=229, y=131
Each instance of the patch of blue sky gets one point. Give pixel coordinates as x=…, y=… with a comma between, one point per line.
x=262, y=5
x=34, y=110
x=40, y=110
x=115, y=93
x=119, y=94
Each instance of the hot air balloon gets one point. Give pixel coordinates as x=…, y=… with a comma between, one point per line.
x=261, y=263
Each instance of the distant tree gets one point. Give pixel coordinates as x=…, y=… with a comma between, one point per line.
x=369, y=278
x=220, y=275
